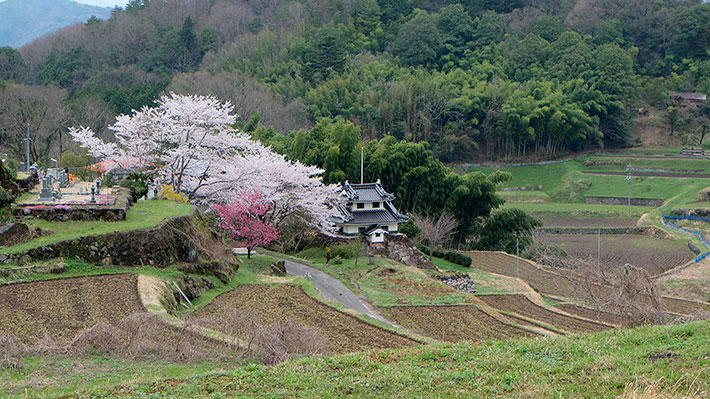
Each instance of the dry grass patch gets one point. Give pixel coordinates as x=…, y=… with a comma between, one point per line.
x=269, y=305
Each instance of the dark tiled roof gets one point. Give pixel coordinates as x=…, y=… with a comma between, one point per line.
x=366, y=192
x=376, y=216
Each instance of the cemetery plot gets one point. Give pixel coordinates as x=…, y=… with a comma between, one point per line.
x=280, y=303
x=520, y=304
x=656, y=255
x=587, y=222
x=452, y=323
x=61, y=308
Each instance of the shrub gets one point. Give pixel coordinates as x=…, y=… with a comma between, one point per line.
x=409, y=229
x=312, y=253
x=424, y=249
x=138, y=183
x=5, y=198
x=458, y=258
x=337, y=260
x=451, y=256
x=345, y=251
x=168, y=193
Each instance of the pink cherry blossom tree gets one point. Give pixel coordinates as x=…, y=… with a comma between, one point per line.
x=244, y=219
x=188, y=141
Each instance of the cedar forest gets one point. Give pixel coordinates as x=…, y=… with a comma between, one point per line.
x=418, y=83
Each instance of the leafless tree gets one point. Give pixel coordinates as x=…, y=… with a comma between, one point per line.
x=39, y=106
x=247, y=95
x=436, y=231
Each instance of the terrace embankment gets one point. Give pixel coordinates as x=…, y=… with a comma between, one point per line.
x=180, y=239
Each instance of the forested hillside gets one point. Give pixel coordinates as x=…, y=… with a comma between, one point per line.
x=22, y=21
x=477, y=80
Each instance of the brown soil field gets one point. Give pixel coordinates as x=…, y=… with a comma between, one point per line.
x=541, y=280
x=656, y=255
x=588, y=222
x=549, y=282
x=520, y=304
x=61, y=308
x=593, y=314
x=279, y=303
x=653, y=174
x=452, y=323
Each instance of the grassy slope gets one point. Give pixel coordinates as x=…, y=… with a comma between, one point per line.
x=598, y=365
x=143, y=214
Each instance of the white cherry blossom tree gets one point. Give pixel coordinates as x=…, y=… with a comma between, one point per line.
x=188, y=142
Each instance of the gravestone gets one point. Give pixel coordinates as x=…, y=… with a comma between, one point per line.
x=46, y=194
x=63, y=179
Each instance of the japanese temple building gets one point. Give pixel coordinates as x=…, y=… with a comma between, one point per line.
x=369, y=211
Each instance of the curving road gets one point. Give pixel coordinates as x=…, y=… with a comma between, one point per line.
x=333, y=289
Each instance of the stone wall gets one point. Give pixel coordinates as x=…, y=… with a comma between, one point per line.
x=400, y=249
x=28, y=183
x=62, y=213
x=655, y=202
x=7, y=182
x=179, y=239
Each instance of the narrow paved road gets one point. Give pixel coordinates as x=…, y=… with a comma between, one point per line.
x=332, y=288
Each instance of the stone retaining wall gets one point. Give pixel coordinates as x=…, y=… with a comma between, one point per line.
x=655, y=202
x=62, y=213
x=175, y=240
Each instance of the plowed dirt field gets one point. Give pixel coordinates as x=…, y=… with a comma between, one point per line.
x=521, y=305
x=61, y=308
x=593, y=314
x=656, y=255
x=452, y=323
x=278, y=303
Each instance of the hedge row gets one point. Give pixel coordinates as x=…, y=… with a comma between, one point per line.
x=451, y=256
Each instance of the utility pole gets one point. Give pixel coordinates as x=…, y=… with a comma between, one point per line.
x=517, y=257
x=362, y=165
x=599, y=251
x=27, y=141
x=629, y=168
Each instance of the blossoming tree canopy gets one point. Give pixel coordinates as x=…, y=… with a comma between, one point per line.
x=189, y=143
x=244, y=219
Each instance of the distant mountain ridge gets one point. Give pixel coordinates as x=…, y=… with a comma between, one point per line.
x=22, y=21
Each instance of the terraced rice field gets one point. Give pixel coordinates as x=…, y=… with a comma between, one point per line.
x=587, y=222
x=279, y=303
x=548, y=282
x=63, y=307
x=520, y=304
x=656, y=255
x=541, y=280
x=593, y=314
x=452, y=323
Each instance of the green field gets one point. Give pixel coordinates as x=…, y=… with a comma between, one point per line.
x=599, y=365
x=565, y=180
x=144, y=214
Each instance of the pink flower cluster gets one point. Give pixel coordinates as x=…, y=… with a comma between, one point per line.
x=244, y=220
